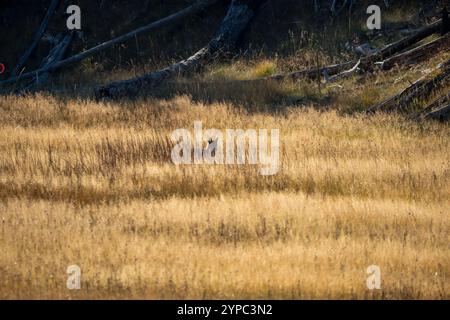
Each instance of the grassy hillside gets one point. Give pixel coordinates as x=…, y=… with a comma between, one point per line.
x=91, y=183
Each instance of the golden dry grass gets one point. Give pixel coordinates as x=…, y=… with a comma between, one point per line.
x=92, y=184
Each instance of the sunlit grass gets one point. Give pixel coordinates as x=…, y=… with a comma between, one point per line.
x=92, y=184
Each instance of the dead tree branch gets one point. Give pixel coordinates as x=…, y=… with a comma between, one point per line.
x=344, y=74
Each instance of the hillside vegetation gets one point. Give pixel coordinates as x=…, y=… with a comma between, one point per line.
x=91, y=183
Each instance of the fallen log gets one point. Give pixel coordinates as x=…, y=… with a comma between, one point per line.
x=366, y=62
x=239, y=14
x=436, y=104
x=440, y=114
x=407, y=42
x=421, y=89
x=417, y=54
x=39, y=33
x=169, y=20
x=344, y=74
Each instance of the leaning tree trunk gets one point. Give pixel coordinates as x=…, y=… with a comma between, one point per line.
x=236, y=20
x=37, y=37
x=55, y=55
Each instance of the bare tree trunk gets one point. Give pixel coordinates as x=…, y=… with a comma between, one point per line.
x=236, y=20
x=55, y=55
x=176, y=17
x=37, y=37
